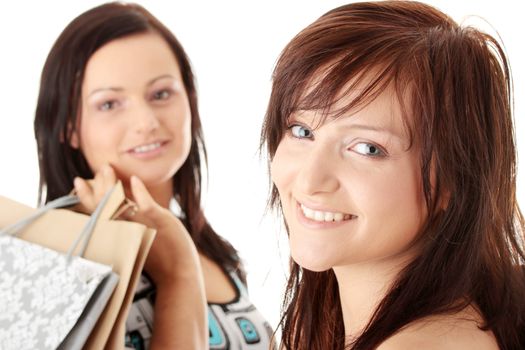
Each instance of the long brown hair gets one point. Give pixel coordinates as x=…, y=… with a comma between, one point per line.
x=455, y=83
x=58, y=103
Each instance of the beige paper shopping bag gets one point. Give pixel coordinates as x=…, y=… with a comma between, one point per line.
x=121, y=244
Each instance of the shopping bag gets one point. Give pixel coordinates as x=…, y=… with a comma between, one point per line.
x=50, y=299
x=120, y=244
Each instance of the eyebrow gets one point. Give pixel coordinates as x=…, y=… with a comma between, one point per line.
x=164, y=76
x=367, y=127
x=114, y=89
x=119, y=89
x=379, y=129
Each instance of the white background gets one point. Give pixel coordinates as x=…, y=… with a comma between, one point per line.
x=233, y=46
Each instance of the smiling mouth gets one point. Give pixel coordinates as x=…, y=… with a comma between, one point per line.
x=147, y=148
x=325, y=216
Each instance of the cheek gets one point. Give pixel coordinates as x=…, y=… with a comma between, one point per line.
x=97, y=141
x=399, y=200
x=389, y=197
x=177, y=119
x=186, y=130
x=180, y=130
x=281, y=171
x=409, y=193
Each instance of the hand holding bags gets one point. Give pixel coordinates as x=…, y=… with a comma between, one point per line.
x=50, y=298
x=122, y=245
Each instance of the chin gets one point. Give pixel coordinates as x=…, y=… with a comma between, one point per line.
x=314, y=254
x=312, y=262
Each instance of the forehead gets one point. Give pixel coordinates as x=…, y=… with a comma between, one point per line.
x=361, y=101
x=130, y=60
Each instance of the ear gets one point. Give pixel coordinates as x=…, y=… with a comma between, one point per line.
x=444, y=190
x=444, y=200
x=74, y=139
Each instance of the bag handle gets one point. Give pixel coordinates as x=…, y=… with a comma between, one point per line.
x=86, y=233
x=62, y=202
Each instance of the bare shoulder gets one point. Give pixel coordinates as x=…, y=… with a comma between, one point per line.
x=446, y=332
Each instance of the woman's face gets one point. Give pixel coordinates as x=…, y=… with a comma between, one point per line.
x=134, y=111
x=350, y=188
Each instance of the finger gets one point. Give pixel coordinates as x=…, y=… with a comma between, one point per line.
x=109, y=177
x=85, y=193
x=149, y=211
x=127, y=211
x=142, y=197
x=98, y=184
x=104, y=180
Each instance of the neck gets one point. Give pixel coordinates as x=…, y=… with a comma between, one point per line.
x=361, y=288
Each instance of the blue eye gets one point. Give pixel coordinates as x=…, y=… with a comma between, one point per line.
x=368, y=149
x=301, y=132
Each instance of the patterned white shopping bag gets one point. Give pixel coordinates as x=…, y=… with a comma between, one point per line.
x=49, y=299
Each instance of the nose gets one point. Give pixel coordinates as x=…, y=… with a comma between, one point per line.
x=318, y=171
x=145, y=119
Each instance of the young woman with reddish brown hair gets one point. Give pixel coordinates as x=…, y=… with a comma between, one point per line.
x=390, y=136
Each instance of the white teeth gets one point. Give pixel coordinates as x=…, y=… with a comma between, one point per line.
x=329, y=217
x=146, y=148
x=309, y=213
x=323, y=216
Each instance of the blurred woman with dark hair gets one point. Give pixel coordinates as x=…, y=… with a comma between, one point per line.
x=390, y=136
x=118, y=101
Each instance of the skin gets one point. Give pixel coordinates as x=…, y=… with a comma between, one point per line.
x=135, y=126
x=360, y=166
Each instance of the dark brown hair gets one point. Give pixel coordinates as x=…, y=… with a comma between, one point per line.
x=454, y=82
x=58, y=103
